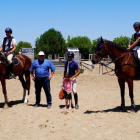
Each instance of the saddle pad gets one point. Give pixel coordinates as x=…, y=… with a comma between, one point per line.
x=15, y=61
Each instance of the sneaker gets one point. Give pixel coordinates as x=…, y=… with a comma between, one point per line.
x=70, y=108
x=49, y=106
x=36, y=105
x=76, y=107
x=66, y=107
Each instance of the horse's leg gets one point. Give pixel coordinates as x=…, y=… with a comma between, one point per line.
x=27, y=77
x=122, y=89
x=3, y=83
x=130, y=85
x=24, y=93
x=23, y=85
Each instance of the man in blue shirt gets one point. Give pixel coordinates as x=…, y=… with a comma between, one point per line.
x=42, y=77
x=71, y=66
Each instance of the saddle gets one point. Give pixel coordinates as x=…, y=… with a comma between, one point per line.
x=3, y=59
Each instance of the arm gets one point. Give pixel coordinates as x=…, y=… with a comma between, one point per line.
x=64, y=73
x=14, y=48
x=78, y=72
x=134, y=44
x=51, y=75
x=1, y=48
x=32, y=75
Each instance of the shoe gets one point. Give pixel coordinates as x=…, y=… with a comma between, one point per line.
x=76, y=107
x=36, y=105
x=49, y=106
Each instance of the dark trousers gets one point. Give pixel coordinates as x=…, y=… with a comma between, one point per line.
x=45, y=83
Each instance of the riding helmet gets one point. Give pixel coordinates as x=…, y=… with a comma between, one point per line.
x=8, y=30
x=70, y=54
x=136, y=24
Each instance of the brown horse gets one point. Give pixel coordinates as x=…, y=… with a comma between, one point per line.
x=125, y=68
x=19, y=70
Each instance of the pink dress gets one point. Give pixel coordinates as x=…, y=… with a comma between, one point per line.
x=67, y=84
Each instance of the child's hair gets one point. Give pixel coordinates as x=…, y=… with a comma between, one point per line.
x=67, y=75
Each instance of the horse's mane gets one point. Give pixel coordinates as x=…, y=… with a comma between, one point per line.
x=117, y=46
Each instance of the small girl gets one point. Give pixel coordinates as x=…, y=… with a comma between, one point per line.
x=67, y=86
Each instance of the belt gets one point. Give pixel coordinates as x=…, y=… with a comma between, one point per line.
x=42, y=78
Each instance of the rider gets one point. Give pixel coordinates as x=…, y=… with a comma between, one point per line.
x=137, y=39
x=9, y=46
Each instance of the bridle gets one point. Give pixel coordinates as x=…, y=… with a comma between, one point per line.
x=100, y=54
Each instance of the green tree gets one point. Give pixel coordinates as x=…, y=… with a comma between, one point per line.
x=21, y=45
x=82, y=43
x=132, y=39
x=122, y=40
x=94, y=44
x=51, y=42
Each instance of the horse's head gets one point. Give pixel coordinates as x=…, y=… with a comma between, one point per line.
x=99, y=52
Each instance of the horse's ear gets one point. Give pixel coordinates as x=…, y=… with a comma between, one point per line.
x=100, y=40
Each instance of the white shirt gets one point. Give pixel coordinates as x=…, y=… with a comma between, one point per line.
x=13, y=42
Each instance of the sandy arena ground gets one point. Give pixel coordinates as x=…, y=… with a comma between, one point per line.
x=97, y=118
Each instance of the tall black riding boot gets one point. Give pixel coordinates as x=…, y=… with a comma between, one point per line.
x=76, y=101
x=12, y=71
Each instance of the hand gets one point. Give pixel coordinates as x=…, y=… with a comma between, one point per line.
x=68, y=92
x=71, y=78
x=128, y=48
x=33, y=78
x=8, y=53
x=50, y=77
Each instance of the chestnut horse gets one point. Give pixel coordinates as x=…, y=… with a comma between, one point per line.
x=125, y=68
x=19, y=70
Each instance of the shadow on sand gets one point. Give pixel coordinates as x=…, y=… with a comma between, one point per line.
x=11, y=103
x=61, y=106
x=40, y=105
x=127, y=109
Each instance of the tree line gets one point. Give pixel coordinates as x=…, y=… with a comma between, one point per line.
x=52, y=42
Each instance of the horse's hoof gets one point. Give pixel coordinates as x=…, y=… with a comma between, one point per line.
x=25, y=103
x=5, y=107
x=133, y=110
x=121, y=109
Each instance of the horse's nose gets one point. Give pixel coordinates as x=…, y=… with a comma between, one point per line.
x=93, y=61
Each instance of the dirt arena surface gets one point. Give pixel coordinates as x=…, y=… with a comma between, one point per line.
x=97, y=118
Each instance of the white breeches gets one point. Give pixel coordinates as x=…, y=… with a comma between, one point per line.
x=9, y=58
x=138, y=51
x=74, y=86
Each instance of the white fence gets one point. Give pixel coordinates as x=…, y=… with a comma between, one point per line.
x=28, y=52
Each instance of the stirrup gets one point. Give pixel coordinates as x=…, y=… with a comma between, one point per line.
x=12, y=76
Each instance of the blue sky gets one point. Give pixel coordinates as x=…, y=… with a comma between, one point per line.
x=93, y=18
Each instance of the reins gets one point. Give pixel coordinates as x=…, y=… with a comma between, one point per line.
x=116, y=59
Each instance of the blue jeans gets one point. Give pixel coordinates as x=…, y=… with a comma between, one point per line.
x=45, y=83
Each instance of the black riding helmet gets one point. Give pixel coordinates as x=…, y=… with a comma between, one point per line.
x=8, y=30
x=70, y=54
x=136, y=24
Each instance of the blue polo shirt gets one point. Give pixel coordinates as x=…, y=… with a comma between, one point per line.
x=42, y=68
x=73, y=66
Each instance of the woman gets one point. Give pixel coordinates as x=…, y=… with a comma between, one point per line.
x=137, y=39
x=9, y=46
